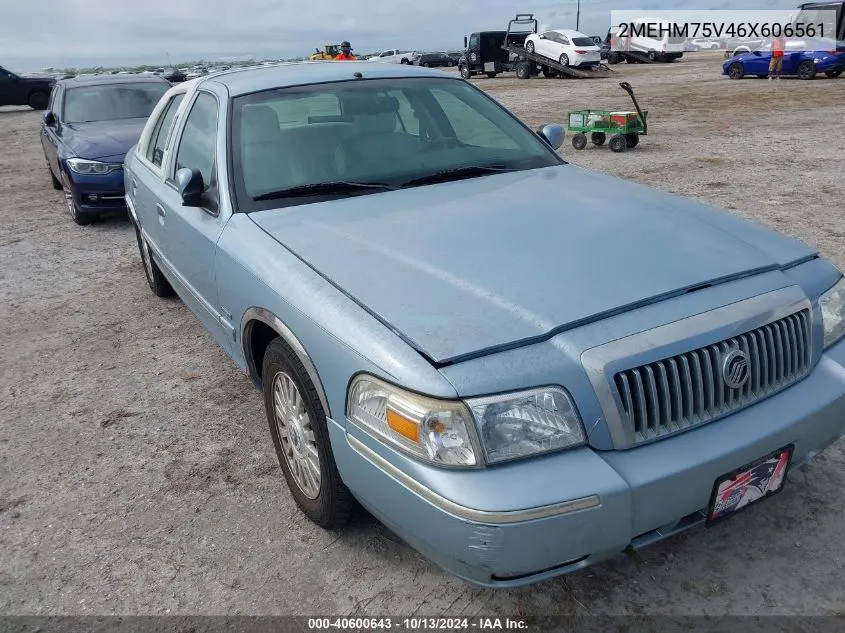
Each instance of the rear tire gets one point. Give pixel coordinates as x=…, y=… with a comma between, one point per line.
x=579, y=141
x=491, y=75
x=652, y=56
x=523, y=70
x=564, y=60
x=38, y=100
x=613, y=57
x=300, y=434
x=618, y=143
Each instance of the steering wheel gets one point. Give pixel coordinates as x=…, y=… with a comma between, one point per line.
x=444, y=142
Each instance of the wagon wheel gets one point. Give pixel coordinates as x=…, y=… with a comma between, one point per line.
x=736, y=71
x=579, y=141
x=806, y=70
x=530, y=47
x=632, y=139
x=598, y=138
x=618, y=143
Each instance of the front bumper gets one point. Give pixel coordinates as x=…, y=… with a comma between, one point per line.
x=97, y=194
x=524, y=522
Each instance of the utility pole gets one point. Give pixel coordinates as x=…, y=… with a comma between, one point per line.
x=578, y=17
x=168, y=59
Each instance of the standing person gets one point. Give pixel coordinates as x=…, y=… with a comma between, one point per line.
x=776, y=63
x=345, y=51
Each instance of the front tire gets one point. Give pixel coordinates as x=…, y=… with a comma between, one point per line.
x=806, y=70
x=736, y=71
x=79, y=218
x=301, y=438
x=464, y=70
x=57, y=184
x=530, y=47
x=155, y=278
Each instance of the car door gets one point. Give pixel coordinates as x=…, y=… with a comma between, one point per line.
x=544, y=43
x=189, y=234
x=148, y=175
x=49, y=133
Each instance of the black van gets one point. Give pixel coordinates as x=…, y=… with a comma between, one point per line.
x=484, y=54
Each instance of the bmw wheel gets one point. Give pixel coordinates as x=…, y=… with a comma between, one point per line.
x=78, y=217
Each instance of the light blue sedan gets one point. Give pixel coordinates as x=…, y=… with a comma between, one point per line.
x=520, y=366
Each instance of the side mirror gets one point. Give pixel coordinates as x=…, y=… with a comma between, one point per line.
x=553, y=134
x=190, y=186
x=465, y=41
x=49, y=118
x=541, y=36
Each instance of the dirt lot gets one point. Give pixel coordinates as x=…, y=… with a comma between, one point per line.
x=137, y=473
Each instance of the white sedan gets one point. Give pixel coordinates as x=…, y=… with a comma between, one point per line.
x=705, y=44
x=569, y=48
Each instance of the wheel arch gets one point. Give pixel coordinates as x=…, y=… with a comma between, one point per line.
x=259, y=326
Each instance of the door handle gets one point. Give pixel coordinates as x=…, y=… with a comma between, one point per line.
x=161, y=211
x=134, y=187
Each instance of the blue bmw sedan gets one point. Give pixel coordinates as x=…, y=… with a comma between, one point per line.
x=518, y=389
x=89, y=124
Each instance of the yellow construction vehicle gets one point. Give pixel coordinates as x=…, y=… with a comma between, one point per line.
x=328, y=52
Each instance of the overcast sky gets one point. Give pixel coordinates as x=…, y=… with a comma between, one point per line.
x=35, y=34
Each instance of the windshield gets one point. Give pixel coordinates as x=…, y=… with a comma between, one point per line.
x=385, y=131
x=582, y=41
x=112, y=102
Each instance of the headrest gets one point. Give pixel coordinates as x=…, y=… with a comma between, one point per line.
x=260, y=123
x=359, y=105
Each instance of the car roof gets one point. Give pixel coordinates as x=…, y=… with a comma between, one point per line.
x=99, y=80
x=570, y=33
x=239, y=81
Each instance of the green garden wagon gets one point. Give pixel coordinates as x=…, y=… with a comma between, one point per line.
x=623, y=127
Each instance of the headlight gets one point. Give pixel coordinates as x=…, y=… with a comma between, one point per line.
x=832, y=304
x=522, y=424
x=433, y=430
x=91, y=167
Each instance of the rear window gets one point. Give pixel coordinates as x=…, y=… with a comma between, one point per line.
x=583, y=41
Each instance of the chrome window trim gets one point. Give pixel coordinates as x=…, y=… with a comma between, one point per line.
x=744, y=315
x=464, y=513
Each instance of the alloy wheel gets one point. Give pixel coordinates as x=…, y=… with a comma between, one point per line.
x=296, y=434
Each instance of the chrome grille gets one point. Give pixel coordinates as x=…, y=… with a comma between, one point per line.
x=687, y=390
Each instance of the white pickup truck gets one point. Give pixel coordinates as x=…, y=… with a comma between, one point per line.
x=394, y=56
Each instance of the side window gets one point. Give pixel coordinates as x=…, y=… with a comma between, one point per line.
x=563, y=40
x=155, y=150
x=54, y=93
x=473, y=41
x=481, y=133
x=198, y=145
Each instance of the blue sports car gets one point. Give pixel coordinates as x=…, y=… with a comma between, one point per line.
x=89, y=125
x=804, y=64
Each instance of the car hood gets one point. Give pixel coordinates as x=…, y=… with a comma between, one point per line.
x=468, y=267
x=102, y=139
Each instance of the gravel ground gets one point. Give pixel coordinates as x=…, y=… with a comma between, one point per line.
x=137, y=475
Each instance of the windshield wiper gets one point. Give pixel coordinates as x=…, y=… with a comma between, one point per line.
x=341, y=187
x=457, y=173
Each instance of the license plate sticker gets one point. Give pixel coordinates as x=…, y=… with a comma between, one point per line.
x=749, y=485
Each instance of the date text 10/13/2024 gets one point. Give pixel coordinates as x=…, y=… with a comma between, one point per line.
x=417, y=624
